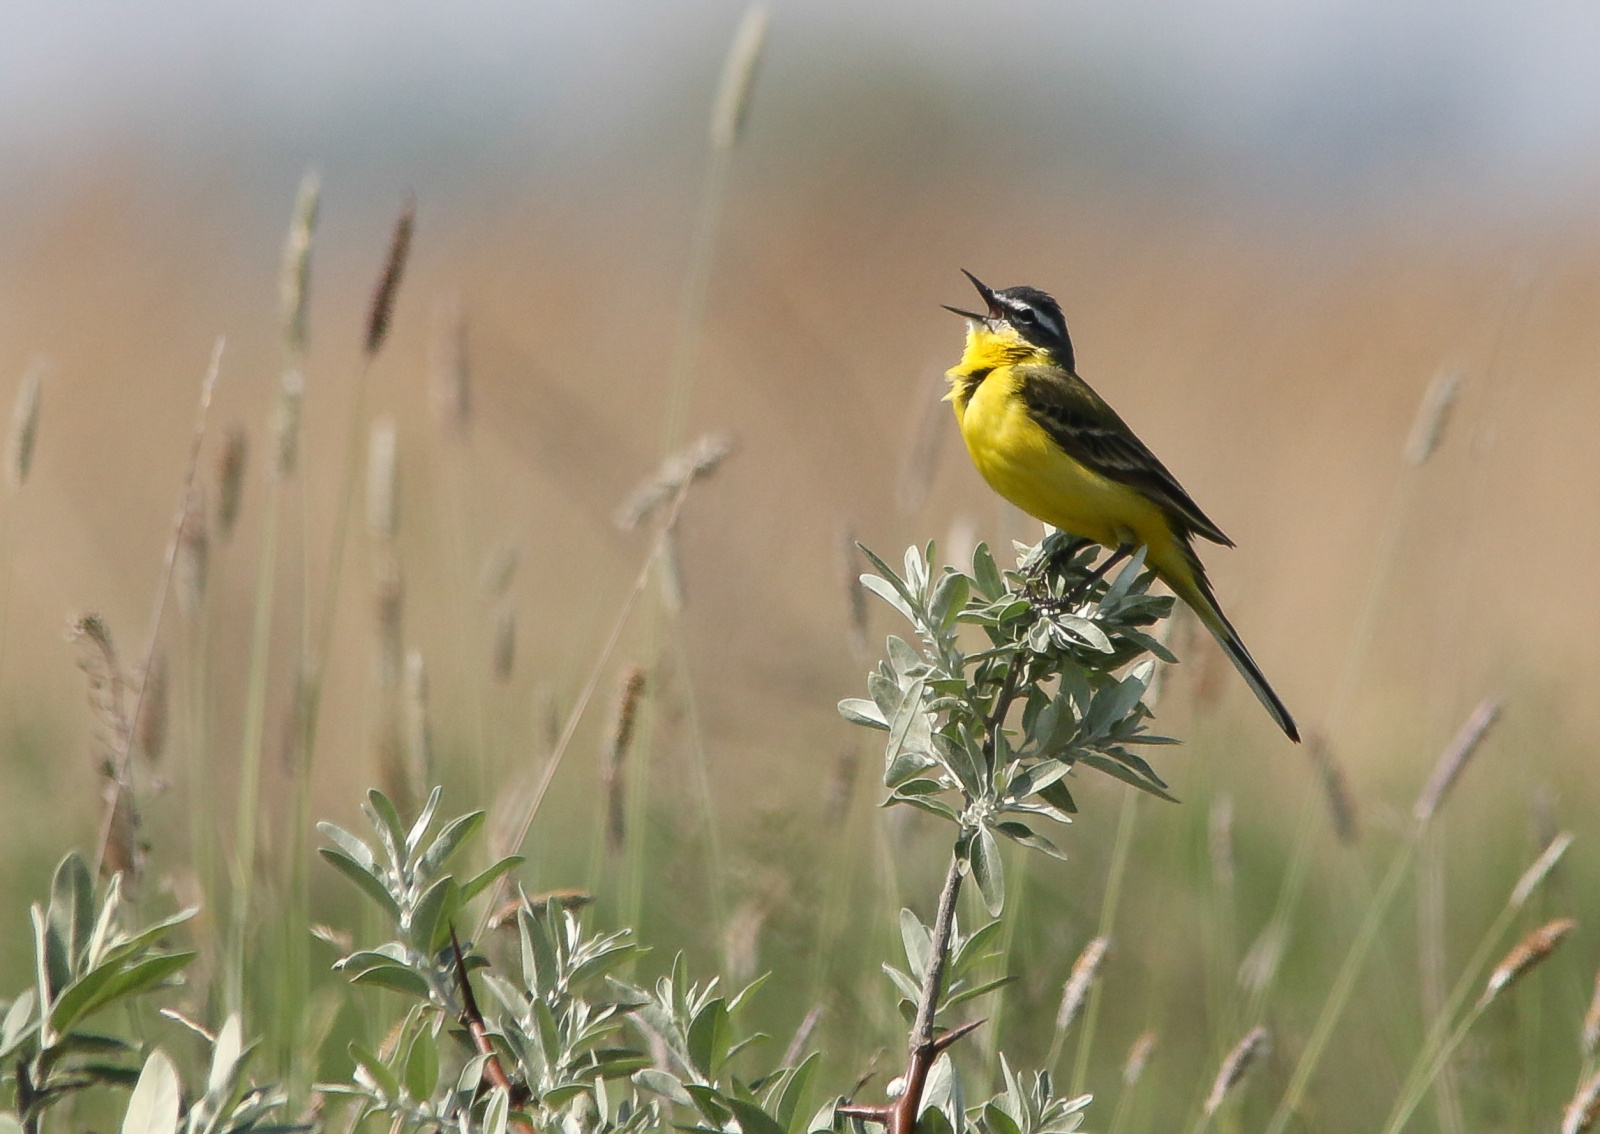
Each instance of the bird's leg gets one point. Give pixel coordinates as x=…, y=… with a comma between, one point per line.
x=1122, y=552
x=1056, y=605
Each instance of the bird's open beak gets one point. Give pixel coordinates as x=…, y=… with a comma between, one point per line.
x=995, y=311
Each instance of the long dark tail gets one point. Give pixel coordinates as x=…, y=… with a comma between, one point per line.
x=1181, y=570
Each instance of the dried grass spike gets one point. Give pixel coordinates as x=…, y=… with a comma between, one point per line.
x=192, y=566
x=25, y=424
x=150, y=730
x=504, y=656
x=1453, y=760
x=294, y=280
x=1433, y=414
x=1542, y=866
x=1581, y=1112
x=418, y=733
x=1076, y=990
x=1335, y=790
x=1527, y=953
x=738, y=78
x=388, y=289
x=698, y=459
x=1256, y=1043
x=619, y=738
x=231, y=464
x=1591, y=1020
x=1138, y=1058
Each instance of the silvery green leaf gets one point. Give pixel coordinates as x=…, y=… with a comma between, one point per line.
x=225, y=1056
x=906, y=661
x=1022, y=833
x=988, y=872
x=420, y=827
x=949, y=599
x=823, y=1121
x=363, y=879
x=885, y=693
x=153, y=1106
x=917, y=569
x=1118, y=771
x=384, y=817
x=906, y=766
x=455, y=835
x=1036, y=778
x=353, y=847
x=889, y=594
x=965, y=954
x=1085, y=631
x=1125, y=579
x=917, y=940
x=935, y=807
x=660, y=1082
x=909, y=726
x=963, y=761
x=498, y=1111
x=984, y=572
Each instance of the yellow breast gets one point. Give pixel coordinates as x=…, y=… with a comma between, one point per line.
x=1024, y=464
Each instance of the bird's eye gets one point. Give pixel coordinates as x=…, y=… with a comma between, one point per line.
x=1025, y=315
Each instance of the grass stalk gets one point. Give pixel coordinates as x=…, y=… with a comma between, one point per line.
x=530, y=809
x=1437, y=1040
x=1126, y=821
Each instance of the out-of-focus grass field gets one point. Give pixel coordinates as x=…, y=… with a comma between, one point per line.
x=1272, y=348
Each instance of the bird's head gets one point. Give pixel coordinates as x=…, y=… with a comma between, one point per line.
x=1019, y=321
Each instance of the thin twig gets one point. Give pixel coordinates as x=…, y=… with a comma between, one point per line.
x=473, y=1019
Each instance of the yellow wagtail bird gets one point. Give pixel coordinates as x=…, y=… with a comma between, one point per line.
x=1052, y=446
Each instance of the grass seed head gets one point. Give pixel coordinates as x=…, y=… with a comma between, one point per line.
x=1138, y=1057
x=384, y=295
x=192, y=566
x=1433, y=414
x=1454, y=759
x=1581, y=1112
x=150, y=729
x=1527, y=953
x=732, y=107
x=503, y=658
x=231, y=462
x=618, y=739
x=1256, y=1043
x=418, y=733
x=25, y=424
x=294, y=279
x=698, y=459
x=1542, y=866
x=1076, y=990
x=1335, y=789
x=1591, y=1020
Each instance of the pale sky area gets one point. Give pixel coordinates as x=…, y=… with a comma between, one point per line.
x=1502, y=94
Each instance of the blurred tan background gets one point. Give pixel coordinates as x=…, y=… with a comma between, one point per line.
x=1269, y=229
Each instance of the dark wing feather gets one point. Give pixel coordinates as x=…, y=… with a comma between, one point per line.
x=1091, y=433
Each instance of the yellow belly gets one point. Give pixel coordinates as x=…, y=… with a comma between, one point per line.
x=1023, y=464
